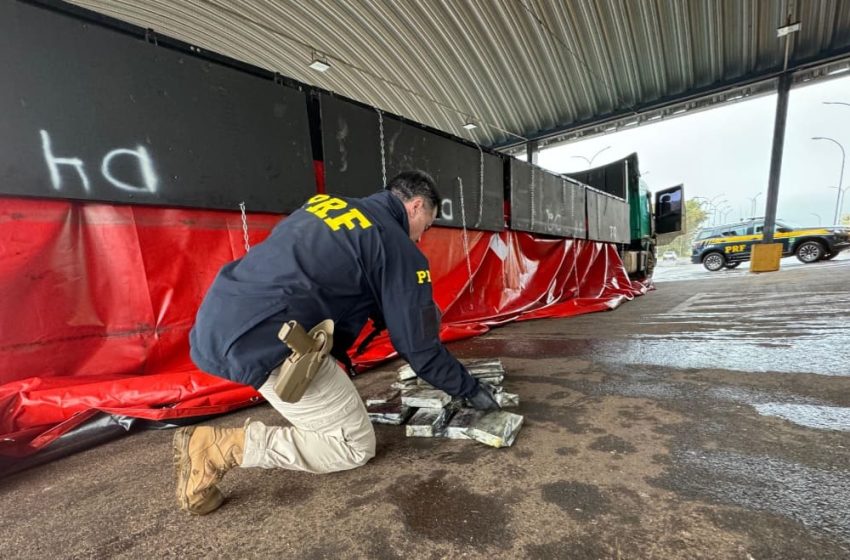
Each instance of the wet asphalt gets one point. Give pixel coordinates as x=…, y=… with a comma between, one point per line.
x=707, y=419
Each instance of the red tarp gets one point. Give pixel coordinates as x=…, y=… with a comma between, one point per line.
x=98, y=300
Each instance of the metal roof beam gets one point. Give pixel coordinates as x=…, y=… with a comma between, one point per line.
x=694, y=100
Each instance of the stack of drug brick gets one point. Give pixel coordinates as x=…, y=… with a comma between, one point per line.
x=429, y=412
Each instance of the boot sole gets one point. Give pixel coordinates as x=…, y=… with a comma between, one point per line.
x=182, y=468
x=213, y=497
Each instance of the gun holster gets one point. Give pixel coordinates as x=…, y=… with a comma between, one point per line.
x=309, y=350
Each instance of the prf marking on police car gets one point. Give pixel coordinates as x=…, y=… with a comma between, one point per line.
x=423, y=276
x=322, y=204
x=734, y=248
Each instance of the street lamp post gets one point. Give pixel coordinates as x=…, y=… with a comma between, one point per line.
x=753, y=199
x=710, y=206
x=590, y=161
x=719, y=208
x=842, y=193
x=722, y=212
x=840, y=177
x=840, y=190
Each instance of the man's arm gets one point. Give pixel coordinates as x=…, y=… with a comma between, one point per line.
x=413, y=322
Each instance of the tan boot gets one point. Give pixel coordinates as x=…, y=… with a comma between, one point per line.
x=202, y=455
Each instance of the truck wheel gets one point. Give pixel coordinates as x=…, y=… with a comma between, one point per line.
x=809, y=252
x=714, y=261
x=733, y=264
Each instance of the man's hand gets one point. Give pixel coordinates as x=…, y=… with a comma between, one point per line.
x=483, y=399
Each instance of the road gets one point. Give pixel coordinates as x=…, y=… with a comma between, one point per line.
x=682, y=269
x=708, y=419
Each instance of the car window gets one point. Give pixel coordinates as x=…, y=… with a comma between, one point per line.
x=734, y=231
x=780, y=227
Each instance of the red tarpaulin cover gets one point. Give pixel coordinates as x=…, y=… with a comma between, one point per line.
x=98, y=301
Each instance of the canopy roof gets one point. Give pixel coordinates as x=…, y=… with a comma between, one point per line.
x=519, y=69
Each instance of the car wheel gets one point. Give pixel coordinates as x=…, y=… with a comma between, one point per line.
x=733, y=264
x=810, y=251
x=714, y=261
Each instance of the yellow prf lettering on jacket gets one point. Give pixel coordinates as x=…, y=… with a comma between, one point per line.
x=322, y=204
x=423, y=276
x=348, y=220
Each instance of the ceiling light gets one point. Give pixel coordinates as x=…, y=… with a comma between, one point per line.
x=320, y=65
x=837, y=71
x=470, y=125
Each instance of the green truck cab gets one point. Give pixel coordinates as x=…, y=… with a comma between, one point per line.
x=650, y=224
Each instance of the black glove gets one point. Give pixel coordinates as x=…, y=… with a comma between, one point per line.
x=483, y=398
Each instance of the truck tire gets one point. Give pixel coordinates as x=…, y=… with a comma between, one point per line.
x=714, y=261
x=810, y=251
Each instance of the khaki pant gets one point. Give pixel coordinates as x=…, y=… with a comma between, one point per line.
x=330, y=429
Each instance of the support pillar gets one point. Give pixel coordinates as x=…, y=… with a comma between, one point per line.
x=531, y=151
x=766, y=255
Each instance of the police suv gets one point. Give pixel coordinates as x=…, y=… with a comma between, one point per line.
x=729, y=245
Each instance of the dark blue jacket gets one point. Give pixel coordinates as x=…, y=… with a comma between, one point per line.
x=340, y=259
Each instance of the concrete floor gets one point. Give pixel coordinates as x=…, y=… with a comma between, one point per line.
x=708, y=419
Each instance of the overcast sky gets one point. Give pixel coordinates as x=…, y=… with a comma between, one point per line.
x=724, y=153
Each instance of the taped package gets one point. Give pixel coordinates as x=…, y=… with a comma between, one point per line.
x=393, y=413
x=496, y=429
x=461, y=422
x=426, y=398
x=427, y=422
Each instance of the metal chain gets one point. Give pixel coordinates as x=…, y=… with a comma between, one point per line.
x=465, y=236
x=559, y=219
x=533, y=176
x=480, y=186
x=245, y=227
x=383, y=153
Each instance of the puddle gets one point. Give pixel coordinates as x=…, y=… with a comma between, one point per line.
x=809, y=415
x=754, y=397
x=741, y=354
x=733, y=330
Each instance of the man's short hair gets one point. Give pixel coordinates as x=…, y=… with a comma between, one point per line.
x=409, y=184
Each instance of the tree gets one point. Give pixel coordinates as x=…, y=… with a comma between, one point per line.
x=695, y=216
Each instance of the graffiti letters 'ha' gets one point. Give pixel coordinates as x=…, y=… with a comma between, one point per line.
x=148, y=175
